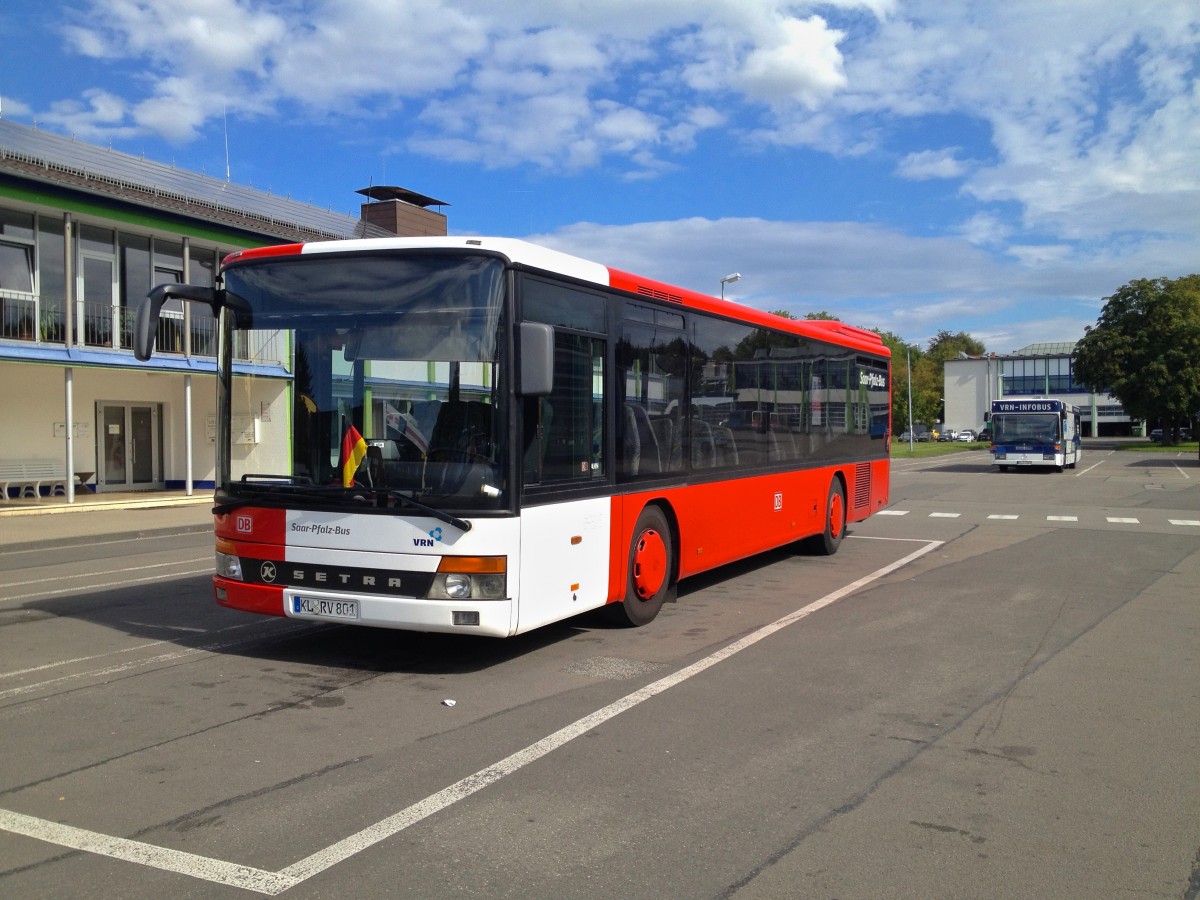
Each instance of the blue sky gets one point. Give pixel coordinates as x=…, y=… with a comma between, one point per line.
x=990, y=167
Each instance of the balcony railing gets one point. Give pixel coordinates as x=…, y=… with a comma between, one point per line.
x=110, y=327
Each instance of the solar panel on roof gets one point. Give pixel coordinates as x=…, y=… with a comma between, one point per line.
x=56, y=152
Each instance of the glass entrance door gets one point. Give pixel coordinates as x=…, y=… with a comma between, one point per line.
x=129, y=447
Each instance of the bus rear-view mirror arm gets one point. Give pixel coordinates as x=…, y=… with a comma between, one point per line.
x=535, y=352
x=145, y=327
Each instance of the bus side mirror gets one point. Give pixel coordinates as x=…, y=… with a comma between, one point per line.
x=535, y=353
x=145, y=326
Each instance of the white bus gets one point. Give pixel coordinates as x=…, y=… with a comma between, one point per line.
x=478, y=435
x=1035, y=431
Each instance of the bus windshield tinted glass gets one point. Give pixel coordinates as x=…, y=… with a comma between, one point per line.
x=1038, y=428
x=400, y=350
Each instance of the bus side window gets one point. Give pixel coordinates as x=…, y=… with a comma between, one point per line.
x=564, y=432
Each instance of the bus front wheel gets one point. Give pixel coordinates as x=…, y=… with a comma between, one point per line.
x=648, y=577
x=828, y=541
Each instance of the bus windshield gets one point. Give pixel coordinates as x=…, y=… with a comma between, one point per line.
x=1025, y=428
x=397, y=381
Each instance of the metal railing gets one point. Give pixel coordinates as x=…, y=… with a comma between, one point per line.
x=104, y=326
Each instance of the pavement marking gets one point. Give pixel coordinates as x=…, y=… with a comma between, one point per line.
x=1181, y=472
x=156, y=857
x=1003, y=517
x=272, y=883
x=892, y=512
x=106, y=584
x=15, y=673
x=1184, y=521
x=119, y=668
x=1089, y=468
x=1117, y=520
x=174, y=562
x=1062, y=518
x=937, y=515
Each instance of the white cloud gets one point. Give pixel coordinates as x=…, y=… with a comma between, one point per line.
x=803, y=65
x=927, y=164
x=1074, y=127
x=875, y=276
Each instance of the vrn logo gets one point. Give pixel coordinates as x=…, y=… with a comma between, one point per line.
x=435, y=536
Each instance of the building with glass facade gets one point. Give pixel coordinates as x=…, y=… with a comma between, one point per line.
x=1039, y=370
x=85, y=233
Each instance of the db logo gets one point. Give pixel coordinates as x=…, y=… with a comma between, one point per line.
x=778, y=501
x=245, y=524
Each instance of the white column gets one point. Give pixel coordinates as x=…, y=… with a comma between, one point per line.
x=69, y=402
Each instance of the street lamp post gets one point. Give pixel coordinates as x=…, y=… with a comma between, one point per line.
x=729, y=279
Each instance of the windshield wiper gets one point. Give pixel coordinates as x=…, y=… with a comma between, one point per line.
x=277, y=490
x=283, y=486
x=441, y=515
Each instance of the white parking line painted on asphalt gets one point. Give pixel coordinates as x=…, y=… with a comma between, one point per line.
x=1089, y=468
x=106, y=584
x=892, y=512
x=271, y=883
x=1181, y=472
x=57, y=578
x=997, y=516
x=1195, y=522
x=202, y=867
x=938, y=515
x=1117, y=520
x=1062, y=518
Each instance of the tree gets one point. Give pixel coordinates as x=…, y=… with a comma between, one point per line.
x=944, y=346
x=902, y=353
x=1145, y=350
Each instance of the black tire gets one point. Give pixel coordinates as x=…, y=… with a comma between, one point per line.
x=649, y=570
x=827, y=542
x=1004, y=468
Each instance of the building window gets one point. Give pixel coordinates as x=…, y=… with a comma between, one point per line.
x=16, y=251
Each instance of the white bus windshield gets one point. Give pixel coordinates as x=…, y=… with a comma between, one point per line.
x=400, y=350
x=1026, y=428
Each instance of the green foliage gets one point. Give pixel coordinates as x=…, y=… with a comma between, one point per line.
x=1145, y=349
x=944, y=346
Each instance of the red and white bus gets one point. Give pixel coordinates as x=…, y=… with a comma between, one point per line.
x=482, y=436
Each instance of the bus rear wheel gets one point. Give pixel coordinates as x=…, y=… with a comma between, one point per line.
x=828, y=541
x=648, y=574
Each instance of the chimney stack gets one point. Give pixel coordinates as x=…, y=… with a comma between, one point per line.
x=403, y=212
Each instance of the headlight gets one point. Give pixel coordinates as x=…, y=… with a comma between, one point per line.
x=457, y=586
x=229, y=566
x=470, y=578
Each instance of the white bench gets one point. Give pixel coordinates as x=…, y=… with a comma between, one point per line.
x=28, y=476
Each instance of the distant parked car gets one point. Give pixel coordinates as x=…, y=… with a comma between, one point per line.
x=985, y=435
x=947, y=434
x=907, y=436
x=924, y=436
x=966, y=436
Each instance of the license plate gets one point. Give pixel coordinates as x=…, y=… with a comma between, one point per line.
x=325, y=609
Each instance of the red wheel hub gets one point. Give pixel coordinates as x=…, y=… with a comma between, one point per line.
x=649, y=564
x=837, y=515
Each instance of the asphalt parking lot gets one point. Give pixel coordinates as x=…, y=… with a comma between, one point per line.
x=989, y=691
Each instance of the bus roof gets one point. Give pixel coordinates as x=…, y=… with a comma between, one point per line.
x=523, y=253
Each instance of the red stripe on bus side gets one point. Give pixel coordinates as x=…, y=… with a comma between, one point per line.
x=724, y=521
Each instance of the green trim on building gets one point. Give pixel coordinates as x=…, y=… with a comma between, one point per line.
x=179, y=226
